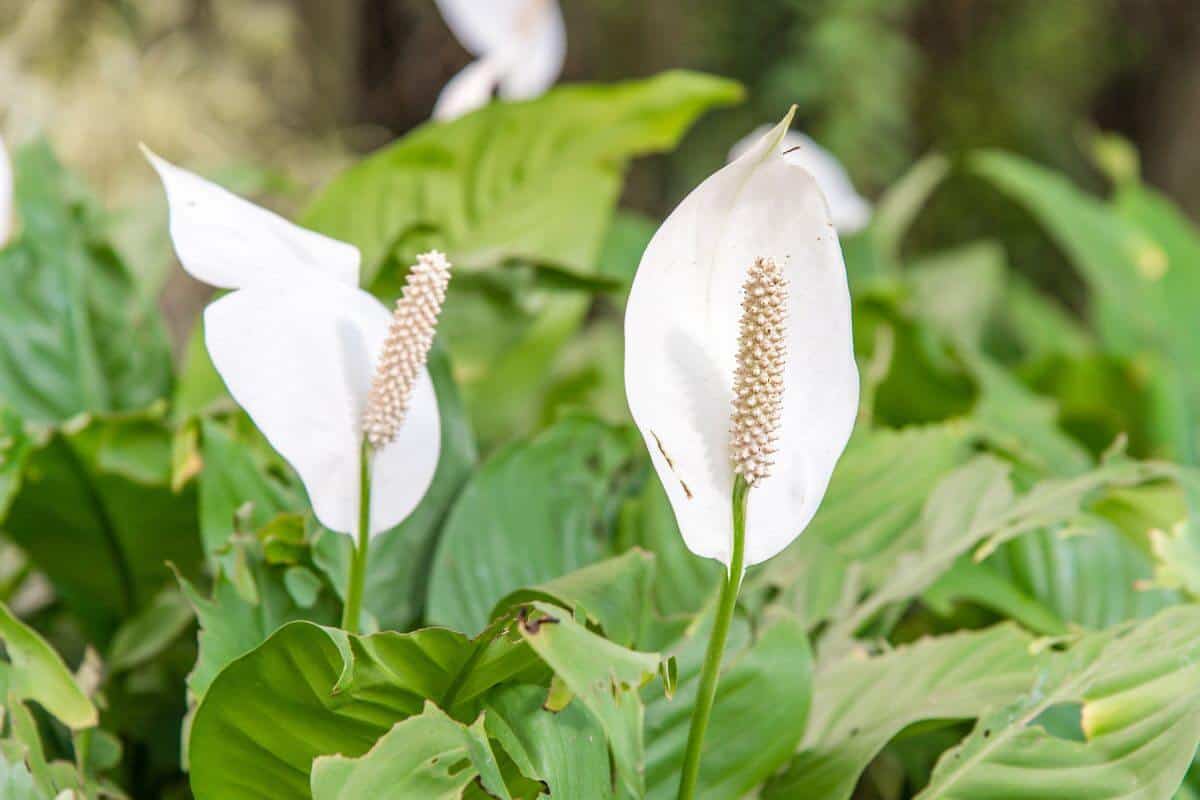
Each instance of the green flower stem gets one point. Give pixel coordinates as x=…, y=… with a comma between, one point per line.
x=358, y=565
x=716, y=646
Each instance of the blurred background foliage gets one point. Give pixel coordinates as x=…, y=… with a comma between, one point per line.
x=272, y=96
x=1019, y=314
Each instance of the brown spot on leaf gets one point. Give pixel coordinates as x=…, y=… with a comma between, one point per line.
x=532, y=626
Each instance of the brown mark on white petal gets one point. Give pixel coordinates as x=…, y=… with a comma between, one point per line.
x=658, y=443
x=670, y=463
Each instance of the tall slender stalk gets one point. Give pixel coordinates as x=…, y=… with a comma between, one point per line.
x=716, y=646
x=358, y=565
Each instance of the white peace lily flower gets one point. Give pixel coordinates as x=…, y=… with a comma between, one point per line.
x=6, y=196
x=756, y=233
x=520, y=46
x=298, y=343
x=849, y=210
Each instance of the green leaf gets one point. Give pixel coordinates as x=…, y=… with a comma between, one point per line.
x=901, y=203
x=15, y=781
x=860, y=704
x=1138, y=692
x=96, y=513
x=231, y=479
x=38, y=673
x=1021, y=422
x=975, y=508
x=564, y=749
x=769, y=683
x=75, y=333
x=1063, y=567
x=309, y=691
x=1120, y=263
x=143, y=636
x=232, y=625
x=425, y=757
x=874, y=502
x=959, y=290
x=535, y=179
x=15, y=447
x=532, y=512
x=684, y=582
x=604, y=677
x=613, y=594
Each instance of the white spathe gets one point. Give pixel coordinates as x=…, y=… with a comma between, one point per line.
x=849, y=210
x=7, y=219
x=520, y=46
x=681, y=336
x=297, y=343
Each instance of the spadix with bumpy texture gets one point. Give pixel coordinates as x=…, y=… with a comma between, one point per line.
x=707, y=413
x=758, y=381
x=406, y=347
x=298, y=343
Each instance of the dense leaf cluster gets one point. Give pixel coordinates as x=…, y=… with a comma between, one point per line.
x=997, y=598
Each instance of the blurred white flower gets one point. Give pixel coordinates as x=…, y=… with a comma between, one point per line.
x=848, y=209
x=520, y=46
x=297, y=344
x=6, y=195
x=683, y=356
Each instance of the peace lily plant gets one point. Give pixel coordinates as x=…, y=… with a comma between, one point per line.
x=519, y=47
x=739, y=371
x=335, y=382
x=849, y=210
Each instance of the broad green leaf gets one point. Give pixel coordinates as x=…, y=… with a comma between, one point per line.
x=421, y=758
x=535, y=179
x=233, y=482
x=970, y=581
x=15, y=447
x=1120, y=263
x=975, y=509
x=498, y=411
x=38, y=673
x=760, y=714
x=1177, y=237
x=874, y=501
x=76, y=336
x=1021, y=422
x=1039, y=325
x=143, y=636
x=683, y=582
x=15, y=781
x=613, y=594
x=565, y=749
x=604, y=677
x=25, y=732
x=1138, y=690
x=232, y=625
x=532, y=512
x=1088, y=573
x=900, y=204
x=96, y=513
x=860, y=703
x=309, y=691
x=958, y=291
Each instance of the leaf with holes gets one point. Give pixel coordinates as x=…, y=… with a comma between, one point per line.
x=861, y=703
x=1138, y=691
